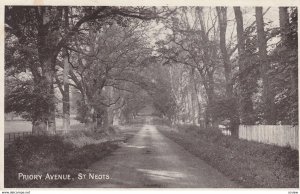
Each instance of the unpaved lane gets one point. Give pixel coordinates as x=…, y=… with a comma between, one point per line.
x=152, y=160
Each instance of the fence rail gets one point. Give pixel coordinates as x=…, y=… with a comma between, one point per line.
x=10, y=137
x=281, y=135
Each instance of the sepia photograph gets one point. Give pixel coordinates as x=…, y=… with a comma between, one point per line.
x=150, y=97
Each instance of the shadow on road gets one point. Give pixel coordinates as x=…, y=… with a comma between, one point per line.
x=150, y=159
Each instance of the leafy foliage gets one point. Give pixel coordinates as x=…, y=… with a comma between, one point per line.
x=26, y=100
x=284, y=73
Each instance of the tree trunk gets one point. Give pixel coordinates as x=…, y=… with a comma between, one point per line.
x=234, y=117
x=210, y=92
x=246, y=104
x=66, y=94
x=284, y=24
x=194, y=98
x=110, y=109
x=268, y=96
x=199, y=107
x=48, y=90
x=47, y=56
x=209, y=54
x=105, y=120
x=110, y=116
x=44, y=121
x=222, y=15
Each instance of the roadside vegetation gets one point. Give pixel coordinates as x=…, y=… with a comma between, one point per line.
x=70, y=154
x=250, y=164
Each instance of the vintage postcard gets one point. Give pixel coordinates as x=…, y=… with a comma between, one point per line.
x=149, y=95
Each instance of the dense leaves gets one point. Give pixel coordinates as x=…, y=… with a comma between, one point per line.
x=192, y=64
x=35, y=36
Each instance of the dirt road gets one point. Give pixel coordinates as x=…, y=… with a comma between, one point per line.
x=150, y=159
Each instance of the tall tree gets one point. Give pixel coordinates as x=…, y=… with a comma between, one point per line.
x=107, y=60
x=234, y=117
x=246, y=103
x=193, y=44
x=209, y=51
x=268, y=96
x=286, y=72
x=40, y=27
x=66, y=92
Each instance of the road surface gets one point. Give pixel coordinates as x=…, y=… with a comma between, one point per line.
x=150, y=159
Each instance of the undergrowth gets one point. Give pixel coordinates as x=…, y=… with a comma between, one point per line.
x=250, y=164
x=39, y=155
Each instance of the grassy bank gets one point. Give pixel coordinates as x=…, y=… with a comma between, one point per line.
x=12, y=126
x=68, y=154
x=250, y=164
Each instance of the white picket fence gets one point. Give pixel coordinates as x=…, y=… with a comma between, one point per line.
x=281, y=135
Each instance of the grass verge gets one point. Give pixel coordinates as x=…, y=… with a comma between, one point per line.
x=250, y=164
x=68, y=154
